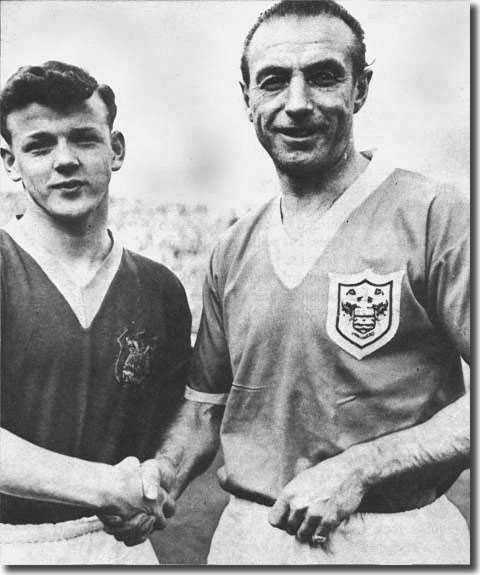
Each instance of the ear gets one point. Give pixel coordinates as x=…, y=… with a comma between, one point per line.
x=118, y=148
x=246, y=99
x=361, y=89
x=10, y=164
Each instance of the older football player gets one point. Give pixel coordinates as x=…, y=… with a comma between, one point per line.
x=335, y=319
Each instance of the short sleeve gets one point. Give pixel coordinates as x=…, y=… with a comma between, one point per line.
x=211, y=374
x=180, y=325
x=448, y=264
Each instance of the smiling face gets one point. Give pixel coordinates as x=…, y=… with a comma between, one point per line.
x=302, y=93
x=64, y=159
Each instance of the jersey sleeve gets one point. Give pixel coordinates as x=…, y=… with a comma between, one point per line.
x=180, y=325
x=211, y=374
x=448, y=265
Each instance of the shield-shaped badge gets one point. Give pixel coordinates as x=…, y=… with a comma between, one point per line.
x=363, y=310
x=133, y=365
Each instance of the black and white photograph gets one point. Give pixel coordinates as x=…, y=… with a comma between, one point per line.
x=235, y=283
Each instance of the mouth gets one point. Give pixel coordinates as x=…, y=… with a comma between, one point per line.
x=299, y=133
x=69, y=185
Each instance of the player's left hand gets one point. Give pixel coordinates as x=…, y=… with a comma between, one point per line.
x=318, y=499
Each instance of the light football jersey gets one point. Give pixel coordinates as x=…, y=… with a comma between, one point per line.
x=354, y=332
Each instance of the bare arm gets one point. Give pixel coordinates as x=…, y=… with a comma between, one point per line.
x=32, y=472
x=190, y=444
x=188, y=449
x=445, y=438
x=319, y=498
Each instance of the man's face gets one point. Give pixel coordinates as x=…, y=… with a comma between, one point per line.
x=64, y=159
x=302, y=93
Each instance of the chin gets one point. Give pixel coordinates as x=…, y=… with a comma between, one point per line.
x=301, y=168
x=71, y=215
x=73, y=211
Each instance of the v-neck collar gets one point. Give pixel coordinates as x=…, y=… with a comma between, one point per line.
x=84, y=300
x=292, y=259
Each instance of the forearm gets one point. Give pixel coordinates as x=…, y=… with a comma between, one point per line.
x=444, y=439
x=32, y=472
x=191, y=442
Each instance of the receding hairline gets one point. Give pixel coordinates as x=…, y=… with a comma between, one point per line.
x=278, y=18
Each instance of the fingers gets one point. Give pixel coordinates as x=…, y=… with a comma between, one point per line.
x=169, y=506
x=136, y=529
x=312, y=523
x=295, y=519
x=140, y=536
x=150, y=475
x=279, y=513
x=319, y=523
x=110, y=520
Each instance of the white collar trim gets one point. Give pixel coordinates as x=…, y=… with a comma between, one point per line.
x=293, y=259
x=84, y=300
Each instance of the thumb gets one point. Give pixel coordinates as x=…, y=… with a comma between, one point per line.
x=150, y=479
x=129, y=463
x=301, y=464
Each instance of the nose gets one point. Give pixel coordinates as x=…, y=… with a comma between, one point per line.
x=298, y=98
x=65, y=158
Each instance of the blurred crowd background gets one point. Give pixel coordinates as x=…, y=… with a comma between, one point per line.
x=193, y=164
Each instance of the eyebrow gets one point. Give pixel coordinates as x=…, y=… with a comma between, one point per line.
x=329, y=63
x=39, y=136
x=84, y=130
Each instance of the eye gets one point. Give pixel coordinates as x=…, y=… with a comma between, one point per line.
x=323, y=79
x=273, y=83
x=38, y=148
x=85, y=140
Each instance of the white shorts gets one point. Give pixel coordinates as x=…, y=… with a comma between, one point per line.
x=79, y=542
x=436, y=534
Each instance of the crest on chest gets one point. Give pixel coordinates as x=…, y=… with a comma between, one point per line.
x=363, y=310
x=134, y=362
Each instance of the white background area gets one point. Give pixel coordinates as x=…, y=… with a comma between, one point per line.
x=174, y=67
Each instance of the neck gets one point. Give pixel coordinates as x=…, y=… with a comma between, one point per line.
x=84, y=240
x=315, y=193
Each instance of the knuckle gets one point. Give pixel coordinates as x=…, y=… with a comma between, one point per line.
x=312, y=514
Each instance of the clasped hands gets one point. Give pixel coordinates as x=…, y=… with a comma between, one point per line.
x=142, y=502
x=314, y=503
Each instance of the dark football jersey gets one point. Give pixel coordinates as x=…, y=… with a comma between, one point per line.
x=101, y=392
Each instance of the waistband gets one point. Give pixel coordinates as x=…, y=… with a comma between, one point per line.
x=48, y=532
x=436, y=507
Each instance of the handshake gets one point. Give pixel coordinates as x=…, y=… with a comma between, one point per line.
x=140, y=501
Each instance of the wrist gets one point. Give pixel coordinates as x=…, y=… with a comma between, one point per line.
x=110, y=488
x=118, y=489
x=362, y=459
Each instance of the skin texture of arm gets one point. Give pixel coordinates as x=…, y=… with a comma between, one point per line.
x=188, y=449
x=32, y=472
x=190, y=445
x=319, y=498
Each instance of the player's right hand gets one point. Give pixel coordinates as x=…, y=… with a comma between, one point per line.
x=145, y=504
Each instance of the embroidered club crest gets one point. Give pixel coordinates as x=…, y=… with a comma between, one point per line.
x=133, y=365
x=363, y=310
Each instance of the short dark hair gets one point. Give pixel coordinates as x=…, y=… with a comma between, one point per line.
x=53, y=84
x=309, y=8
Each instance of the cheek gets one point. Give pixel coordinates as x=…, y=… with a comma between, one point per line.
x=35, y=171
x=99, y=165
